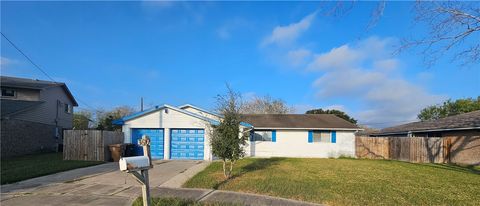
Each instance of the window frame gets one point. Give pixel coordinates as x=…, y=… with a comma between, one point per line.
x=68, y=108
x=8, y=96
x=320, y=132
x=271, y=135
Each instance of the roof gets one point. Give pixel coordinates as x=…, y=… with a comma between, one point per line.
x=15, y=82
x=10, y=107
x=157, y=108
x=470, y=120
x=298, y=121
x=199, y=109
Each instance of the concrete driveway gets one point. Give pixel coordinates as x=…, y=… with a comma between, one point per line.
x=97, y=185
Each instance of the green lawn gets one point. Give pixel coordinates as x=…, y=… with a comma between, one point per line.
x=177, y=202
x=348, y=181
x=29, y=166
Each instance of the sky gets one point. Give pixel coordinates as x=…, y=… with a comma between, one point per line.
x=113, y=53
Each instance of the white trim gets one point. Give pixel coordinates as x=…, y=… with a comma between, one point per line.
x=200, y=109
x=288, y=128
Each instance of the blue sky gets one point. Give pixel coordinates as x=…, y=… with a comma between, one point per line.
x=112, y=53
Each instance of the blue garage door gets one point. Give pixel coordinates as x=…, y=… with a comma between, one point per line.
x=156, y=141
x=187, y=144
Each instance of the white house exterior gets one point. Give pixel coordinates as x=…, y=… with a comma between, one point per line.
x=183, y=133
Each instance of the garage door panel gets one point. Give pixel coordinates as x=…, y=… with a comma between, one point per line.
x=187, y=143
x=156, y=141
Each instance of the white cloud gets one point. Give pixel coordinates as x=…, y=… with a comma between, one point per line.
x=4, y=61
x=366, y=72
x=287, y=34
x=298, y=57
x=337, y=107
x=225, y=31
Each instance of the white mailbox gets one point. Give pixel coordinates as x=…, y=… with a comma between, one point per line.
x=129, y=164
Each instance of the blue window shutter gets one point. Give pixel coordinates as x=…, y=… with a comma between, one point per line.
x=310, y=136
x=252, y=135
x=274, y=135
x=334, y=136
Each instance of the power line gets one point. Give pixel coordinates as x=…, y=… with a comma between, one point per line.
x=28, y=58
x=38, y=67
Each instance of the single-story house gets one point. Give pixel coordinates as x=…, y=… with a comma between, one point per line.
x=34, y=114
x=462, y=124
x=184, y=133
x=460, y=134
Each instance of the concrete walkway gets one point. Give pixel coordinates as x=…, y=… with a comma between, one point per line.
x=76, y=194
x=105, y=185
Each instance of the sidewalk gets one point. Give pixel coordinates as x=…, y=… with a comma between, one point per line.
x=74, y=194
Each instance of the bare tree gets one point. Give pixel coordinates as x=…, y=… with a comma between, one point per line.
x=452, y=29
x=265, y=105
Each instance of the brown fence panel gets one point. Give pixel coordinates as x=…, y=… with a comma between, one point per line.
x=89, y=144
x=410, y=149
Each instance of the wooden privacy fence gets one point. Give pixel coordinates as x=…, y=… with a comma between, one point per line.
x=411, y=149
x=89, y=144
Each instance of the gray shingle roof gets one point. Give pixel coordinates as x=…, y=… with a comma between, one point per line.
x=466, y=120
x=9, y=107
x=311, y=121
x=16, y=82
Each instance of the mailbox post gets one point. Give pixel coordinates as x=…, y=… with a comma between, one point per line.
x=138, y=167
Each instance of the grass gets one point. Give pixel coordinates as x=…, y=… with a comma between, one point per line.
x=178, y=202
x=348, y=181
x=30, y=166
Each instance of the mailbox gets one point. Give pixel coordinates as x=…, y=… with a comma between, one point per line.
x=130, y=164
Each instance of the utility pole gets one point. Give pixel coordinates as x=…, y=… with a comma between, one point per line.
x=141, y=104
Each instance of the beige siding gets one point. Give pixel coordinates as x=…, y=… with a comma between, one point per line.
x=54, y=99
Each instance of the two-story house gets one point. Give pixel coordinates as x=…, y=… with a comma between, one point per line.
x=34, y=114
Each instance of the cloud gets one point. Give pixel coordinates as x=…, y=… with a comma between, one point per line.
x=4, y=61
x=336, y=107
x=366, y=72
x=298, y=57
x=287, y=34
x=225, y=31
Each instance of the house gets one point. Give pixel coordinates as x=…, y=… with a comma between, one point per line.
x=33, y=115
x=462, y=124
x=184, y=132
x=300, y=135
x=460, y=135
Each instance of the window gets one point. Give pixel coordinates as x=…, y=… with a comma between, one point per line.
x=8, y=93
x=322, y=136
x=262, y=136
x=68, y=108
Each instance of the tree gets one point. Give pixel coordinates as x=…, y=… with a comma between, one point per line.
x=105, y=118
x=227, y=141
x=339, y=113
x=265, y=105
x=453, y=27
x=449, y=108
x=81, y=120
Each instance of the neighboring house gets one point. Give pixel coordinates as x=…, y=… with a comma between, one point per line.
x=184, y=132
x=462, y=124
x=34, y=114
x=460, y=135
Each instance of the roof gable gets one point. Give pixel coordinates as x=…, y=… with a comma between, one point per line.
x=15, y=82
x=158, y=108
